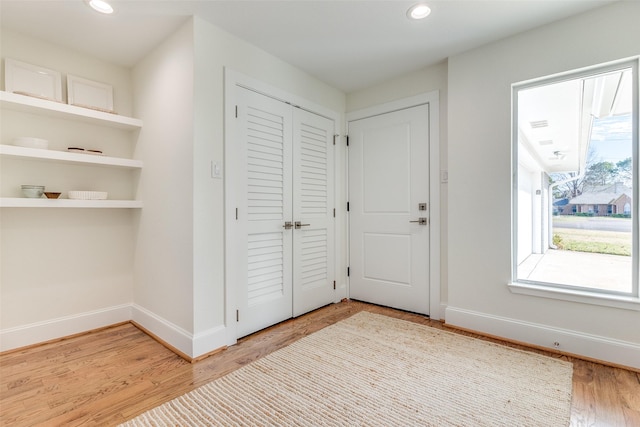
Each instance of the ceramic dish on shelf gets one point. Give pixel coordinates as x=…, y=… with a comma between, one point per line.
x=31, y=142
x=51, y=195
x=87, y=195
x=32, y=80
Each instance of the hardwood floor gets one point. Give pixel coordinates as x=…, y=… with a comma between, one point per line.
x=109, y=376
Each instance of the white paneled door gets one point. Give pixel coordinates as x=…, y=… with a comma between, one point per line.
x=282, y=248
x=389, y=209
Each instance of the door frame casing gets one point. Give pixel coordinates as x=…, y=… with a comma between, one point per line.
x=433, y=100
x=232, y=79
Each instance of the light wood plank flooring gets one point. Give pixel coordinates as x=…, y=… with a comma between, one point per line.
x=109, y=376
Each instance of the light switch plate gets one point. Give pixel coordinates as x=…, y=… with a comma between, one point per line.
x=216, y=169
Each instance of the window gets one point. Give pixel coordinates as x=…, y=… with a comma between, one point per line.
x=575, y=169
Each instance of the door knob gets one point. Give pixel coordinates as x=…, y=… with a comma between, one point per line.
x=421, y=221
x=287, y=225
x=299, y=225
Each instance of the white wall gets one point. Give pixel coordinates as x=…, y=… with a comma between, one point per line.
x=480, y=176
x=179, y=93
x=64, y=271
x=214, y=50
x=422, y=81
x=163, y=94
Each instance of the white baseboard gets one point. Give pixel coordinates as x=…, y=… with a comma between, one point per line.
x=443, y=311
x=590, y=346
x=39, y=332
x=210, y=340
x=180, y=339
x=163, y=329
x=183, y=341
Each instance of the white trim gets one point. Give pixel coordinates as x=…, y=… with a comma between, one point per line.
x=391, y=106
x=581, y=296
x=433, y=100
x=39, y=332
x=210, y=340
x=579, y=343
x=548, y=289
x=233, y=78
x=230, y=83
x=443, y=311
x=170, y=333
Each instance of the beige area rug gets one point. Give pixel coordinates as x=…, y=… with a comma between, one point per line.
x=373, y=370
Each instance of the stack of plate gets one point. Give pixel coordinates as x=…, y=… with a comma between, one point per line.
x=30, y=142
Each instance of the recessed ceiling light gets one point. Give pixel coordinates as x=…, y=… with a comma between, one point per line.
x=418, y=11
x=100, y=6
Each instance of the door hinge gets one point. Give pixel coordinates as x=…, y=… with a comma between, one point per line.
x=347, y=136
x=236, y=111
x=348, y=271
x=335, y=137
x=334, y=212
x=237, y=315
x=334, y=284
x=236, y=213
x=347, y=206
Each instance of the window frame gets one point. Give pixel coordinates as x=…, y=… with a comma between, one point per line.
x=629, y=300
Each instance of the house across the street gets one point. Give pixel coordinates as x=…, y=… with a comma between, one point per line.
x=600, y=201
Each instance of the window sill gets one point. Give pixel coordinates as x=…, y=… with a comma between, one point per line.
x=585, y=297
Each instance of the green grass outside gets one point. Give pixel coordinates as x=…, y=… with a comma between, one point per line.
x=595, y=241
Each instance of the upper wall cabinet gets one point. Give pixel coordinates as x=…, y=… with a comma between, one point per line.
x=71, y=169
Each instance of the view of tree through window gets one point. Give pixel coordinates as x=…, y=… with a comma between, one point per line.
x=574, y=199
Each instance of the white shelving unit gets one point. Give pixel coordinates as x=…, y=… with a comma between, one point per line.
x=47, y=108
x=23, y=202
x=44, y=107
x=71, y=158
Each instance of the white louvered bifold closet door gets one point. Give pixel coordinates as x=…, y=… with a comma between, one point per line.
x=313, y=242
x=265, y=255
x=285, y=160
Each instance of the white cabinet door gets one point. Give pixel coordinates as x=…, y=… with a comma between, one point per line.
x=282, y=172
x=313, y=240
x=388, y=180
x=262, y=261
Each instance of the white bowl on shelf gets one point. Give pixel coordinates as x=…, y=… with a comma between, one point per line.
x=87, y=195
x=31, y=142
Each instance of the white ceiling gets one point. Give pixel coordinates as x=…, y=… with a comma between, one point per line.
x=349, y=44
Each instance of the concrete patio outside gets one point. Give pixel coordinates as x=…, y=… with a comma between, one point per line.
x=589, y=270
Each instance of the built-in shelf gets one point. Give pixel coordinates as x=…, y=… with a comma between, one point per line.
x=17, y=202
x=28, y=104
x=65, y=157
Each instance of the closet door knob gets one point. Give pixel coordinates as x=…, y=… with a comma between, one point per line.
x=299, y=225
